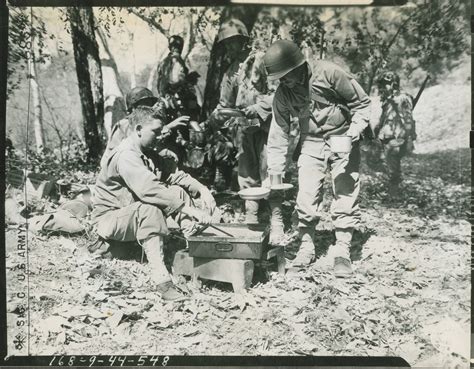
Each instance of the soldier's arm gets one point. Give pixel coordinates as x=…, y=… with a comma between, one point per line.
x=228, y=91
x=145, y=185
x=263, y=106
x=186, y=181
x=277, y=146
x=356, y=99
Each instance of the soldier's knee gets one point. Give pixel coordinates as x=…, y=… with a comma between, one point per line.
x=149, y=211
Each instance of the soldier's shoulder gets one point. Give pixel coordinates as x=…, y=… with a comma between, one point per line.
x=404, y=97
x=329, y=69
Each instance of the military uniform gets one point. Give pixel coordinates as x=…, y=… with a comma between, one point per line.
x=333, y=99
x=172, y=74
x=134, y=195
x=243, y=85
x=396, y=127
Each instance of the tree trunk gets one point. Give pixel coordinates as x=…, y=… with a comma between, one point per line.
x=188, y=37
x=38, y=112
x=218, y=63
x=89, y=77
x=133, y=74
x=114, y=103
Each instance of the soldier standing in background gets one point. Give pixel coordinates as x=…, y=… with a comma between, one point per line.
x=326, y=100
x=172, y=71
x=175, y=84
x=396, y=128
x=245, y=87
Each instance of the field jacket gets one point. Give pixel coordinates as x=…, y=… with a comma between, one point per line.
x=128, y=176
x=331, y=100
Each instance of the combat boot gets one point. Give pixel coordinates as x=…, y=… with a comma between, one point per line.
x=277, y=231
x=153, y=248
x=342, y=259
x=251, y=212
x=306, y=253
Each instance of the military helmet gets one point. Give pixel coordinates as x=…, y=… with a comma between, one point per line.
x=388, y=77
x=231, y=28
x=281, y=58
x=176, y=41
x=139, y=96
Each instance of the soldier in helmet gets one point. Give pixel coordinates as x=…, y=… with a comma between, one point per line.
x=175, y=84
x=244, y=86
x=326, y=100
x=396, y=127
x=172, y=71
x=138, y=96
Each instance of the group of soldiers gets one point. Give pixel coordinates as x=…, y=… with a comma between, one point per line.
x=141, y=187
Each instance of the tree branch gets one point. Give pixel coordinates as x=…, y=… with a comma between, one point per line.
x=150, y=21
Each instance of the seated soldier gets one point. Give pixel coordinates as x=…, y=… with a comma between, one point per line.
x=133, y=196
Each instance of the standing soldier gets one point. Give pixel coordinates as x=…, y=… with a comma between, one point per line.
x=172, y=71
x=175, y=84
x=396, y=127
x=326, y=100
x=245, y=87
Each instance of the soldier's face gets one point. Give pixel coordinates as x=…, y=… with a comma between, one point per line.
x=150, y=133
x=291, y=79
x=387, y=89
x=233, y=46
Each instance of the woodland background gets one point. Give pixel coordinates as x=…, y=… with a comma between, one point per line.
x=410, y=295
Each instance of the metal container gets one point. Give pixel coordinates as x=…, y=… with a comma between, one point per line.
x=276, y=179
x=248, y=242
x=340, y=143
x=196, y=137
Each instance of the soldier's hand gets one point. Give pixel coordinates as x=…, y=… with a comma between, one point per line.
x=199, y=215
x=207, y=199
x=179, y=122
x=202, y=217
x=250, y=112
x=217, y=116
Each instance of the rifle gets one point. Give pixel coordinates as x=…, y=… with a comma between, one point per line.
x=422, y=88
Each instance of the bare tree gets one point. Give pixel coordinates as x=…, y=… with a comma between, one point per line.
x=38, y=113
x=114, y=103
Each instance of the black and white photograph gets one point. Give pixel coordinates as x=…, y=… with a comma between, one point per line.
x=241, y=180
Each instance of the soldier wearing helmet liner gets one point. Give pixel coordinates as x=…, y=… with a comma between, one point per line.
x=396, y=127
x=138, y=96
x=326, y=100
x=245, y=87
x=135, y=197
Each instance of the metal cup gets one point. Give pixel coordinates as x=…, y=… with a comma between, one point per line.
x=340, y=143
x=276, y=179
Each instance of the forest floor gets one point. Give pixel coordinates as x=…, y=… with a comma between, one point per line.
x=409, y=296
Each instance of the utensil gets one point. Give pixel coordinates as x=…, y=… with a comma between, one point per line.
x=254, y=193
x=212, y=226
